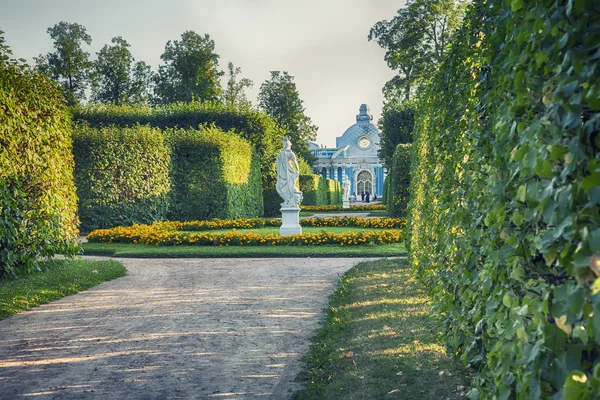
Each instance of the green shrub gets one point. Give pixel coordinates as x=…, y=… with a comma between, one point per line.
x=399, y=181
x=122, y=175
x=37, y=194
x=505, y=189
x=256, y=127
x=272, y=202
x=334, y=192
x=314, y=190
x=215, y=174
x=386, y=189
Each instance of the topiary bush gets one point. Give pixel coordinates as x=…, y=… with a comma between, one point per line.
x=37, y=195
x=334, y=192
x=386, y=190
x=256, y=127
x=122, y=175
x=399, y=181
x=505, y=193
x=215, y=174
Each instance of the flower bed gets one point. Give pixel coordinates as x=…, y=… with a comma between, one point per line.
x=369, y=207
x=170, y=233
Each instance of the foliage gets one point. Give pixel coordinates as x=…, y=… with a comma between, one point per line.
x=314, y=190
x=416, y=41
x=386, y=190
x=396, y=124
x=249, y=223
x=56, y=279
x=272, y=202
x=190, y=70
x=37, y=194
x=69, y=65
x=353, y=207
x=121, y=174
x=377, y=341
x=280, y=99
x=163, y=235
x=256, y=127
x=214, y=174
x=116, y=79
x=334, y=192
x=505, y=191
x=399, y=181
x=234, y=94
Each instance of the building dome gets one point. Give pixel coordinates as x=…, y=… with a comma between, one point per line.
x=362, y=137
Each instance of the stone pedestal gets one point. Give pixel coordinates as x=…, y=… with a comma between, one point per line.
x=345, y=204
x=290, y=221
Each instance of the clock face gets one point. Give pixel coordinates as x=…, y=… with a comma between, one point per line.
x=364, y=143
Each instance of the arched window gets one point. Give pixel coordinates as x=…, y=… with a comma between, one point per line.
x=364, y=183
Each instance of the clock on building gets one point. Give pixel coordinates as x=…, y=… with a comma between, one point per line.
x=364, y=143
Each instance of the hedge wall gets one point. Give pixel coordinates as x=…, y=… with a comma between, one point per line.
x=122, y=175
x=215, y=174
x=37, y=194
x=256, y=127
x=334, y=192
x=399, y=181
x=314, y=190
x=386, y=190
x=505, y=193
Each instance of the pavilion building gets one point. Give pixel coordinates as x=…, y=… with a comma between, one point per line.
x=355, y=156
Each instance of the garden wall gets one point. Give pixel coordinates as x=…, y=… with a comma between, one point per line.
x=214, y=175
x=121, y=174
x=505, y=193
x=37, y=194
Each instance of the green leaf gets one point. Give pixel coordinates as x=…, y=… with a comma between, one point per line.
x=516, y=5
x=575, y=386
x=594, y=240
x=522, y=193
x=519, y=79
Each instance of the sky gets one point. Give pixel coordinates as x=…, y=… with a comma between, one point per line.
x=322, y=43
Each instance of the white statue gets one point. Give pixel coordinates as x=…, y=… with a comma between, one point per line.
x=287, y=175
x=346, y=184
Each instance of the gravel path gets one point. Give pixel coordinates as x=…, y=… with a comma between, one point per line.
x=172, y=329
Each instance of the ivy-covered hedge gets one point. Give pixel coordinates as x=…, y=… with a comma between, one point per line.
x=215, y=174
x=399, y=181
x=121, y=174
x=505, y=195
x=37, y=194
x=256, y=127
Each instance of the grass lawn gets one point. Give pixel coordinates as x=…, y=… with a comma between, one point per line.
x=378, y=213
x=143, y=251
x=377, y=341
x=305, y=229
x=58, y=278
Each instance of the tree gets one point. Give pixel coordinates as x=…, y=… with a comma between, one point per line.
x=191, y=70
x=112, y=74
x=234, y=94
x=69, y=65
x=280, y=99
x=142, y=83
x=396, y=125
x=5, y=51
x=416, y=41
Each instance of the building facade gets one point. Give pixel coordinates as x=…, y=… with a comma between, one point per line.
x=355, y=156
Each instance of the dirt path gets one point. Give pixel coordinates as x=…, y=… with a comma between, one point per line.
x=172, y=329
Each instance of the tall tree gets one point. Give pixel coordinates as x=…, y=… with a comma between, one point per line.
x=142, y=83
x=416, y=41
x=112, y=73
x=396, y=124
x=191, y=70
x=235, y=92
x=69, y=64
x=280, y=99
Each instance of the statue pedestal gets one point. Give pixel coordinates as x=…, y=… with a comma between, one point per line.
x=345, y=203
x=290, y=221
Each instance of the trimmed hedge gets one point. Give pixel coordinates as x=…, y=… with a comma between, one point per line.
x=386, y=189
x=318, y=191
x=122, y=175
x=254, y=126
x=399, y=181
x=37, y=194
x=334, y=192
x=505, y=195
x=215, y=174
x=314, y=191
